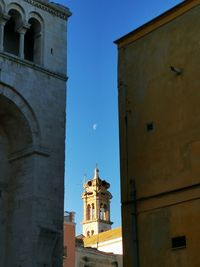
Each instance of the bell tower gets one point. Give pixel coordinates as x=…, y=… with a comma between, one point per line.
x=96, y=205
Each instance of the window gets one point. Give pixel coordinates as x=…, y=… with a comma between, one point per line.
x=31, y=48
x=11, y=36
x=178, y=242
x=101, y=212
x=32, y=42
x=92, y=211
x=105, y=215
x=88, y=233
x=150, y=127
x=88, y=212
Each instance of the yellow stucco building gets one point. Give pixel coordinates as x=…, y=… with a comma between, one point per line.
x=159, y=116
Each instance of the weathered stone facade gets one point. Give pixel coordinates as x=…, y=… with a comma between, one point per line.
x=32, y=132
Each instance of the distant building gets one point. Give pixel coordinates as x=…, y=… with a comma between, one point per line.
x=69, y=240
x=159, y=118
x=99, y=245
x=109, y=241
x=87, y=256
x=96, y=205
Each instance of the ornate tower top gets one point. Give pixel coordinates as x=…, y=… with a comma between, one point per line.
x=96, y=204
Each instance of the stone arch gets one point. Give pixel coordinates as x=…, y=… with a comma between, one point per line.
x=18, y=8
x=33, y=44
x=12, y=27
x=19, y=133
x=38, y=17
x=26, y=111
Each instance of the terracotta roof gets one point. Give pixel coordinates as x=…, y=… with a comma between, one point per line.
x=102, y=237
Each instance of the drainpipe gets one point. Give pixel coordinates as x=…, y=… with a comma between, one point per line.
x=130, y=207
x=128, y=190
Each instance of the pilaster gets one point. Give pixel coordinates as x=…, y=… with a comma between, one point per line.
x=3, y=19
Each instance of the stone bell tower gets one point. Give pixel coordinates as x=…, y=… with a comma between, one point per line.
x=96, y=204
x=32, y=132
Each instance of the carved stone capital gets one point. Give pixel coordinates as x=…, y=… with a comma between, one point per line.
x=4, y=18
x=22, y=29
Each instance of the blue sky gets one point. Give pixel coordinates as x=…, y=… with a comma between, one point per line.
x=92, y=111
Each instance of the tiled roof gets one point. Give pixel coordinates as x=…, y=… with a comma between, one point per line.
x=102, y=237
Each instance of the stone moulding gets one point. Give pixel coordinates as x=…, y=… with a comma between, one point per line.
x=33, y=66
x=49, y=229
x=34, y=149
x=57, y=10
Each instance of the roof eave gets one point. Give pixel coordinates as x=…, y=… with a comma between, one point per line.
x=157, y=22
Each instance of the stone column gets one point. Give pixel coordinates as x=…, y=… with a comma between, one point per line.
x=21, y=45
x=3, y=19
x=37, y=48
x=1, y=35
x=22, y=30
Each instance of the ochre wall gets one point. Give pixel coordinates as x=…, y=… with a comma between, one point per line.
x=160, y=169
x=157, y=227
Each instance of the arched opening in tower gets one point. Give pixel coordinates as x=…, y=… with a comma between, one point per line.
x=88, y=212
x=32, y=42
x=11, y=36
x=105, y=215
x=101, y=212
x=92, y=211
x=15, y=136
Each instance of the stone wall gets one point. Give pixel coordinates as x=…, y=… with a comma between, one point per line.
x=32, y=138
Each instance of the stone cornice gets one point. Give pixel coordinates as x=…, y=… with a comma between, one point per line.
x=29, y=151
x=53, y=8
x=33, y=66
